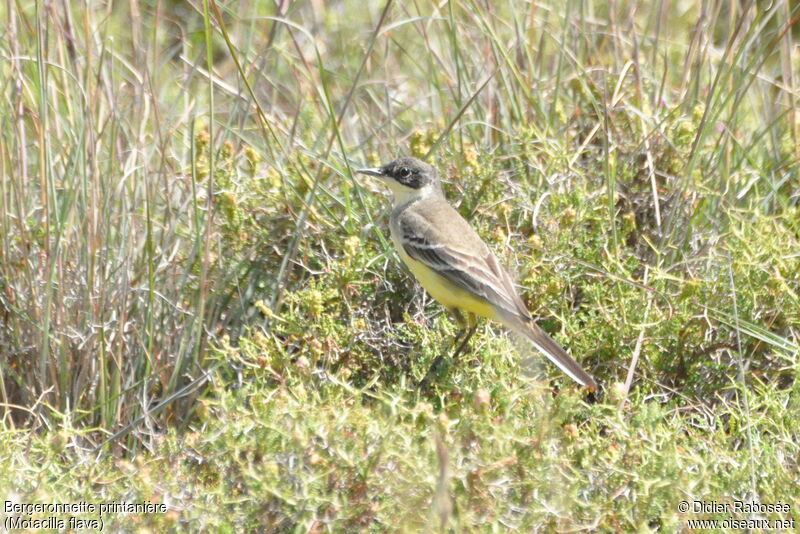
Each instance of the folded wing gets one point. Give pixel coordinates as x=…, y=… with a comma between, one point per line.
x=462, y=258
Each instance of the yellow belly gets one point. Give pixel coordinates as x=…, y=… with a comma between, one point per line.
x=446, y=292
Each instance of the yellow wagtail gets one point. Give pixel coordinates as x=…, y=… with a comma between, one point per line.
x=454, y=265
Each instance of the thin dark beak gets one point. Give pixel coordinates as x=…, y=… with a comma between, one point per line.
x=374, y=171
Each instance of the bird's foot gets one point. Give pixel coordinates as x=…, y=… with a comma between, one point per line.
x=437, y=362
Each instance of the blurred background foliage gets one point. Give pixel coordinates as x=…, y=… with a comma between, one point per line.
x=178, y=214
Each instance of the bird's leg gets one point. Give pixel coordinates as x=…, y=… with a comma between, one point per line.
x=462, y=324
x=469, y=326
x=472, y=325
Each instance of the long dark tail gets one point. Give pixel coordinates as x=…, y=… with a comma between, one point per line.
x=551, y=349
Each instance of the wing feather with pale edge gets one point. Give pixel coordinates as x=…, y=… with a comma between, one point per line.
x=477, y=271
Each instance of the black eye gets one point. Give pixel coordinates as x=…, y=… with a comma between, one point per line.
x=405, y=172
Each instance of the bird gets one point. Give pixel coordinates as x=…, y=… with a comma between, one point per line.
x=455, y=266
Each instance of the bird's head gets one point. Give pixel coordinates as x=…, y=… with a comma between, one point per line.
x=406, y=177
